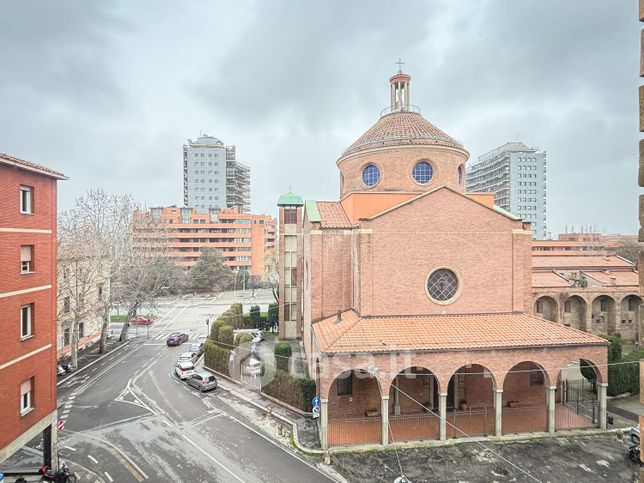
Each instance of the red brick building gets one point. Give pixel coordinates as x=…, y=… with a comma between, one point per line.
x=245, y=240
x=27, y=304
x=416, y=299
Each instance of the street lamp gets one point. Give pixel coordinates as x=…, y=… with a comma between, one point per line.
x=235, y=284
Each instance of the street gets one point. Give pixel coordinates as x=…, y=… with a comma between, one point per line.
x=128, y=418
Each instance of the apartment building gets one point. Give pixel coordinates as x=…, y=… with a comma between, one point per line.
x=516, y=174
x=589, y=243
x=212, y=176
x=244, y=239
x=28, y=305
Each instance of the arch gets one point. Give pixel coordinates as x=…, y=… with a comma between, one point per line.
x=524, y=398
x=574, y=312
x=547, y=308
x=630, y=317
x=603, y=315
x=470, y=401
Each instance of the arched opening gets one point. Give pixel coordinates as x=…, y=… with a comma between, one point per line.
x=413, y=405
x=630, y=320
x=603, y=316
x=525, y=407
x=574, y=314
x=354, y=409
x=576, y=396
x=470, y=402
x=546, y=308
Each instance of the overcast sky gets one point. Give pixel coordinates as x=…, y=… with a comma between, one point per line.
x=108, y=92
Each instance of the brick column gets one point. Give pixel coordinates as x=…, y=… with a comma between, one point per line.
x=396, y=397
x=602, y=404
x=498, y=412
x=550, y=403
x=442, y=413
x=324, y=424
x=384, y=412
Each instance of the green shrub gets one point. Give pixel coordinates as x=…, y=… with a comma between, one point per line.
x=243, y=338
x=216, y=357
x=255, y=317
x=237, y=308
x=226, y=336
x=272, y=317
x=283, y=354
x=624, y=378
x=295, y=391
x=614, y=347
x=214, y=329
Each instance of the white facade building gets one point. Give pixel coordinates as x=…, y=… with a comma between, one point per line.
x=517, y=175
x=212, y=177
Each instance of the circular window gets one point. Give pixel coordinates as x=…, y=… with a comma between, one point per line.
x=422, y=172
x=371, y=175
x=459, y=174
x=442, y=285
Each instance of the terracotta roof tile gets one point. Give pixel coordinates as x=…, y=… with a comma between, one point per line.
x=549, y=279
x=443, y=332
x=332, y=215
x=21, y=163
x=401, y=128
x=622, y=279
x=578, y=261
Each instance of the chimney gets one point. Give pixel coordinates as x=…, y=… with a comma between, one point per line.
x=338, y=318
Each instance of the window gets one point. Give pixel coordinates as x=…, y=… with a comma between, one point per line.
x=459, y=175
x=66, y=337
x=422, y=172
x=26, y=258
x=99, y=290
x=567, y=305
x=26, y=318
x=26, y=400
x=81, y=330
x=442, y=285
x=290, y=215
x=540, y=306
x=66, y=305
x=536, y=375
x=26, y=199
x=632, y=304
x=371, y=175
x=603, y=305
x=344, y=384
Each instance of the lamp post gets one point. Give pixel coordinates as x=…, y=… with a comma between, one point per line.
x=235, y=284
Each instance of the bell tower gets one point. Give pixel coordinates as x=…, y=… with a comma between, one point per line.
x=400, y=90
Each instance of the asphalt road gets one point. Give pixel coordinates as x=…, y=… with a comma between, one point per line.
x=128, y=418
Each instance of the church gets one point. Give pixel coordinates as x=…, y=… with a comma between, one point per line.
x=413, y=300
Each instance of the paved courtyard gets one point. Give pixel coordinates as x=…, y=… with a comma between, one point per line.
x=582, y=459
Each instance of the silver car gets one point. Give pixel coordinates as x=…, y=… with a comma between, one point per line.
x=204, y=381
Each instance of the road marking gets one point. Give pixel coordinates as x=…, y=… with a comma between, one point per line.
x=167, y=423
x=108, y=476
x=211, y=457
x=92, y=458
x=70, y=448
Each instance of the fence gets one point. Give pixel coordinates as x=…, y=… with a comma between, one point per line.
x=350, y=431
x=470, y=422
x=525, y=419
x=577, y=406
x=414, y=427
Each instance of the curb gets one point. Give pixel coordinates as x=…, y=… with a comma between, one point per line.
x=78, y=371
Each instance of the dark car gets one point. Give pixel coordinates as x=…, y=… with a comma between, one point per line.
x=140, y=320
x=177, y=338
x=204, y=381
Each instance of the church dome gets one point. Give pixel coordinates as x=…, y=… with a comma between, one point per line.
x=401, y=127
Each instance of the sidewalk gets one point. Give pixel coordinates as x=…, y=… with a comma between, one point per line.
x=90, y=355
x=626, y=409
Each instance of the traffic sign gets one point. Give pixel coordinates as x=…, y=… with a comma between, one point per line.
x=316, y=411
x=61, y=424
x=316, y=401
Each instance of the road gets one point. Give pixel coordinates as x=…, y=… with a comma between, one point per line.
x=127, y=418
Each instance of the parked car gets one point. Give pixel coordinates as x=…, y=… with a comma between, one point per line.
x=140, y=320
x=204, y=381
x=197, y=348
x=188, y=357
x=177, y=338
x=635, y=434
x=184, y=370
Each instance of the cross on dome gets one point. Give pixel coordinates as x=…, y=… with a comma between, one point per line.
x=400, y=64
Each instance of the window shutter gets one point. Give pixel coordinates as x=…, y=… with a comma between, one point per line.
x=25, y=387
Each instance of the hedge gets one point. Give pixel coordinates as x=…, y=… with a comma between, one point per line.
x=295, y=391
x=272, y=316
x=214, y=329
x=226, y=336
x=243, y=338
x=216, y=357
x=256, y=317
x=283, y=354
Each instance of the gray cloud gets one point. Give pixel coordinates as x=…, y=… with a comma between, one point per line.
x=108, y=93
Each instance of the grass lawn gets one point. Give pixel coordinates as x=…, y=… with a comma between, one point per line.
x=118, y=318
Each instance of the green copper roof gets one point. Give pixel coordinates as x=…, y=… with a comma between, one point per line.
x=291, y=199
x=312, y=210
x=505, y=212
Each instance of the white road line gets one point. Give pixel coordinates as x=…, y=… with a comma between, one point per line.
x=167, y=423
x=211, y=457
x=93, y=459
x=108, y=476
x=70, y=448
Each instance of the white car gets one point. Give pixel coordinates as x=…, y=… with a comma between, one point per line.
x=184, y=370
x=188, y=357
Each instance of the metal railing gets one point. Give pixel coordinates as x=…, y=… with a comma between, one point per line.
x=353, y=431
x=529, y=419
x=414, y=427
x=470, y=422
